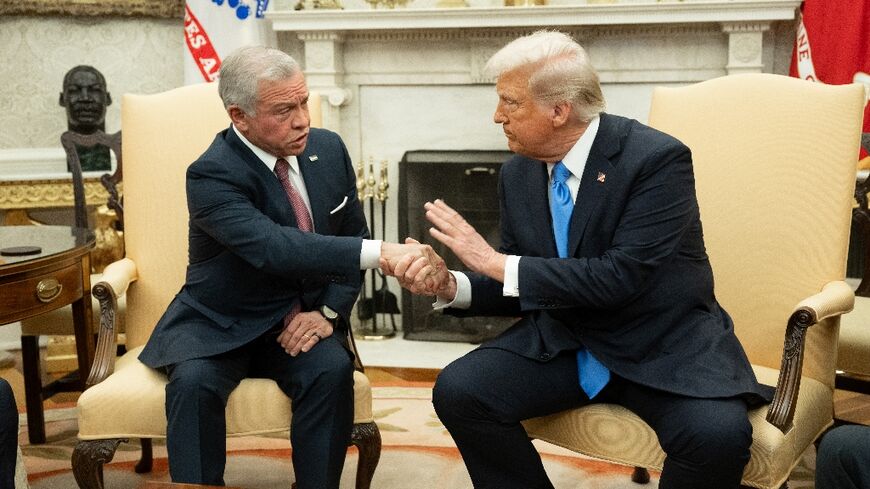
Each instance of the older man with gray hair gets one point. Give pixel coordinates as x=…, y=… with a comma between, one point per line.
x=276, y=248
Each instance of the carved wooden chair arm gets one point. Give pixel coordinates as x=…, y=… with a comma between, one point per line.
x=116, y=278
x=836, y=298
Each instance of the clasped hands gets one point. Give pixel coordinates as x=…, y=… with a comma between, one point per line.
x=420, y=270
x=305, y=330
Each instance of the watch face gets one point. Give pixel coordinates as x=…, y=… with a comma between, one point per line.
x=328, y=313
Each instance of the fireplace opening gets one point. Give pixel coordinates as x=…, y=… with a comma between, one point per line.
x=468, y=182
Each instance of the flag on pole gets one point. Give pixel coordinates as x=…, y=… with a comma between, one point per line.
x=214, y=28
x=833, y=45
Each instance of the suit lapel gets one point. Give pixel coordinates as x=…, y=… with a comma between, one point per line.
x=593, y=184
x=539, y=204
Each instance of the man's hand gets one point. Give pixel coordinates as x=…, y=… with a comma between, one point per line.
x=305, y=330
x=453, y=230
x=427, y=275
x=393, y=252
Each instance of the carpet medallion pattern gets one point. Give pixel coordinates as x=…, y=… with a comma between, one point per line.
x=418, y=453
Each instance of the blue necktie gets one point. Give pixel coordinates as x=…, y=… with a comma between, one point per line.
x=593, y=375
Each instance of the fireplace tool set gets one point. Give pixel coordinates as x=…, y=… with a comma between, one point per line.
x=375, y=302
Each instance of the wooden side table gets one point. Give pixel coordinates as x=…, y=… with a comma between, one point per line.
x=34, y=284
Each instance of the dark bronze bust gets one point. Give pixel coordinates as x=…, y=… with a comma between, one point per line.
x=85, y=98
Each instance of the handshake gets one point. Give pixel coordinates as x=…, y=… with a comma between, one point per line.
x=420, y=270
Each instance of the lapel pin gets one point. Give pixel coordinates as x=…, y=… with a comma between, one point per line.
x=312, y=158
x=601, y=177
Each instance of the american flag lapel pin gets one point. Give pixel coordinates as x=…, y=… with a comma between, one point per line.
x=601, y=177
x=312, y=158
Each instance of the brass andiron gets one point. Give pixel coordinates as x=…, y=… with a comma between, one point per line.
x=360, y=181
x=382, y=187
x=370, y=183
x=379, y=300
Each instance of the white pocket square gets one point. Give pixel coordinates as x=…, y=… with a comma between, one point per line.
x=343, y=202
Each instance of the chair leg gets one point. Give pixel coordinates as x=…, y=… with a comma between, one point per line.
x=145, y=462
x=88, y=459
x=367, y=438
x=640, y=476
x=33, y=389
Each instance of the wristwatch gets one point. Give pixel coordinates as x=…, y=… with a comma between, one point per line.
x=330, y=315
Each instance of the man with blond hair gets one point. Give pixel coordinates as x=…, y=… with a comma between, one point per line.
x=603, y=259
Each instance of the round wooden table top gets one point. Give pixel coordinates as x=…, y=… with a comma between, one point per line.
x=53, y=242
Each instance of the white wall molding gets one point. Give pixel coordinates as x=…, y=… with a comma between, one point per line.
x=31, y=163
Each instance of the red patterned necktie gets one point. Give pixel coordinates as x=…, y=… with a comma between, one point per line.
x=303, y=218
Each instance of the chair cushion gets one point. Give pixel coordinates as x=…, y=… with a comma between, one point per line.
x=130, y=404
x=611, y=432
x=60, y=322
x=853, y=354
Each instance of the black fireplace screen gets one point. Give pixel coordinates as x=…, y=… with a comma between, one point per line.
x=468, y=182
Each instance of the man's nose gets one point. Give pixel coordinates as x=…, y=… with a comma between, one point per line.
x=302, y=120
x=499, y=117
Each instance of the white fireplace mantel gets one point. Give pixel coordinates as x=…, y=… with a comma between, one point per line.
x=327, y=37
x=697, y=11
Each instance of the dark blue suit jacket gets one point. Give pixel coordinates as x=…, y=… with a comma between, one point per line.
x=248, y=263
x=638, y=288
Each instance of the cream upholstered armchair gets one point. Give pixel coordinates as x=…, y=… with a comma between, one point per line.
x=774, y=161
x=163, y=134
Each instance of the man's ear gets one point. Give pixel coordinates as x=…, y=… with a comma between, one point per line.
x=561, y=112
x=238, y=116
x=108, y=99
x=61, y=100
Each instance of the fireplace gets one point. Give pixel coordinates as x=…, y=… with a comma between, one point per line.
x=468, y=182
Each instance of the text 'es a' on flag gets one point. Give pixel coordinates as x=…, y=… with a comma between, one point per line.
x=832, y=46
x=214, y=28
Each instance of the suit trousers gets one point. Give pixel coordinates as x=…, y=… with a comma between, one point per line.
x=8, y=436
x=319, y=382
x=482, y=397
x=843, y=458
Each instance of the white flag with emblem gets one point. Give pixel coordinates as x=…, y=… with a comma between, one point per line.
x=214, y=28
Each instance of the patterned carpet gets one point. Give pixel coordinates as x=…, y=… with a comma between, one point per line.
x=417, y=453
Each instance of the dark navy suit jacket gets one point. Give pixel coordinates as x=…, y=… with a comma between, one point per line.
x=248, y=263
x=638, y=287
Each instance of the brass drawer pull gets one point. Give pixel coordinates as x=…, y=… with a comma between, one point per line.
x=48, y=289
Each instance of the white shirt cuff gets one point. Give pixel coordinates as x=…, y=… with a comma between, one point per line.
x=463, y=294
x=370, y=254
x=511, y=276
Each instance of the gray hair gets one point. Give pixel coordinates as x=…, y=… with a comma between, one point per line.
x=562, y=71
x=242, y=71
